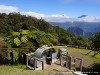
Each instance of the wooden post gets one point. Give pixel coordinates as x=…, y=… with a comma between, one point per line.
x=66, y=61
x=26, y=61
x=81, y=63
x=75, y=64
x=42, y=65
x=60, y=58
x=70, y=66
x=67, y=53
x=12, y=57
x=34, y=64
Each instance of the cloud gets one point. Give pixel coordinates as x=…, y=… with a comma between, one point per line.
x=89, y=19
x=49, y=18
x=60, y=17
x=56, y=18
x=8, y=9
x=33, y=14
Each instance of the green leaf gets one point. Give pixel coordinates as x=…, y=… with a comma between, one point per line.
x=24, y=31
x=17, y=41
x=24, y=39
x=15, y=33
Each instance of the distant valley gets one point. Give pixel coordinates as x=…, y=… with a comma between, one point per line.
x=88, y=28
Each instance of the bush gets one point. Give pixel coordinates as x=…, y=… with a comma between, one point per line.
x=12, y=56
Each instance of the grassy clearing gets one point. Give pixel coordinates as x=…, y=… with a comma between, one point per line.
x=21, y=70
x=80, y=53
x=88, y=59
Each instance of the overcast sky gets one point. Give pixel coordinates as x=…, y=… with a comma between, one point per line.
x=52, y=9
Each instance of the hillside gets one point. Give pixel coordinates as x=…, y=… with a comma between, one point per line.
x=88, y=24
x=15, y=22
x=76, y=30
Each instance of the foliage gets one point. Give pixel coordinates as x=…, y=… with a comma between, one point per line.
x=65, y=40
x=15, y=34
x=96, y=41
x=80, y=41
x=15, y=55
x=27, y=37
x=14, y=22
x=17, y=41
x=24, y=39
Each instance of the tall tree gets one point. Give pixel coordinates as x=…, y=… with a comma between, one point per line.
x=96, y=41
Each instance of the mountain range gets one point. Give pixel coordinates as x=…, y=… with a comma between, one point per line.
x=89, y=25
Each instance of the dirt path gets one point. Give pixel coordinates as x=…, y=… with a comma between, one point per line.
x=56, y=67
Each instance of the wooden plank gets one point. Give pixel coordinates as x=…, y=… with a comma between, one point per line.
x=75, y=64
x=81, y=64
x=26, y=61
x=70, y=67
x=29, y=54
x=38, y=59
x=34, y=64
x=43, y=65
x=30, y=67
x=78, y=58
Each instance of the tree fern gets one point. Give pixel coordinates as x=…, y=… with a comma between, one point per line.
x=24, y=39
x=17, y=41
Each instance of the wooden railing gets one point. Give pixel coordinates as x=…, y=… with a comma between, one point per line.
x=36, y=59
x=81, y=63
x=34, y=62
x=70, y=62
x=15, y=48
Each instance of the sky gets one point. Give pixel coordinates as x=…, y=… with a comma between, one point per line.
x=52, y=9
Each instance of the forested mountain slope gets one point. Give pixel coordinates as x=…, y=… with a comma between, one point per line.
x=15, y=22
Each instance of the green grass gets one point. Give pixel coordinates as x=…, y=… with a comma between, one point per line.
x=88, y=60
x=21, y=70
